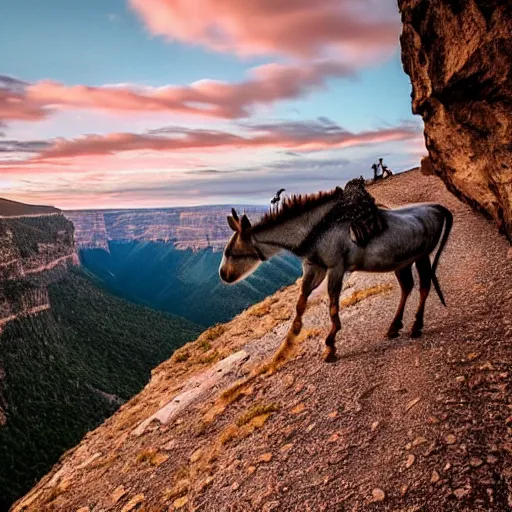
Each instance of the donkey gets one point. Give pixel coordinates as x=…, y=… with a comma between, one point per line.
x=309, y=227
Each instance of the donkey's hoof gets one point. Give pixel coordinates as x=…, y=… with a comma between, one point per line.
x=394, y=330
x=329, y=355
x=415, y=333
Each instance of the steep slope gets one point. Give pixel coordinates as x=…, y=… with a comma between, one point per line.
x=70, y=353
x=400, y=425
x=34, y=251
x=68, y=368
x=459, y=57
x=183, y=282
x=10, y=208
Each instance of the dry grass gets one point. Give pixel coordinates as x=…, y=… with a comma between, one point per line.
x=252, y=419
x=360, y=295
x=254, y=411
x=202, y=461
x=263, y=308
x=180, y=488
x=204, y=345
x=211, y=358
x=211, y=335
x=151, y=456
x=260, y=310
x=288, y=349
x=181, y=355
x=238, y=389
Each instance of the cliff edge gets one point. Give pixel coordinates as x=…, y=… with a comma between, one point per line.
x=10, y=208
x=400, y=425
x=458, y=55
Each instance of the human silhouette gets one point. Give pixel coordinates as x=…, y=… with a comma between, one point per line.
x=276, y=200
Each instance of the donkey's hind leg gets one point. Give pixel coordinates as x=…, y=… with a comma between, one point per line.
x=335, y=282
x=313, y=275
x=425, y=272
x=404, y=276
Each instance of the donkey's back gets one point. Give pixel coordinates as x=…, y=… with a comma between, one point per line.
x=413, y=231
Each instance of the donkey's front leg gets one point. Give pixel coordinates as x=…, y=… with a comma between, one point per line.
x=313, y=275
x=335, y=281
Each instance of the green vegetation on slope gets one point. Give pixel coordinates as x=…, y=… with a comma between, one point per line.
x=184, y=282
x=61, y=367
x=28, y=232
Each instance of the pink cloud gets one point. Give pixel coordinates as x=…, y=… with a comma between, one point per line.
x=312, y=136
x=13, y=105
x=265, y=85
x=299, y=28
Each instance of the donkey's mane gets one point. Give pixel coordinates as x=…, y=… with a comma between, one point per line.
x=296, y=205
x=353, y=204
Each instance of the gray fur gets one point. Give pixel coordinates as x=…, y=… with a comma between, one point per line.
x=412, y=233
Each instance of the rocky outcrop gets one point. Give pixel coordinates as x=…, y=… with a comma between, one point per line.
x=458, y=54
x=34, y=251
x=10, y=208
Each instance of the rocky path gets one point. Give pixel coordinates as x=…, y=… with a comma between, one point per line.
x=406, y=425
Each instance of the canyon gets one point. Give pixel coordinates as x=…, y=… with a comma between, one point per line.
x=71, y=353
x=73, y=350
x=403, y=424
x=168, y=259
x=34, y=252
x=193, y=228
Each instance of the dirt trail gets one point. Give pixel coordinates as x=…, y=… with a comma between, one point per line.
x=406, y=425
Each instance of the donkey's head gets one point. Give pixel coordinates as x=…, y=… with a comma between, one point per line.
x=241, y=257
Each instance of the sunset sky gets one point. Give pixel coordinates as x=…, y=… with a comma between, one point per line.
x=141, y=103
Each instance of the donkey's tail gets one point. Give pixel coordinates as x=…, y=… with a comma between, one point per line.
x=448, y=223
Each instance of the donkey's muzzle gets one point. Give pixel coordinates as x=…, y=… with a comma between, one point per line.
x=226, y=276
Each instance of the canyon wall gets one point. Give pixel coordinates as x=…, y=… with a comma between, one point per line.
x=187, y=228
x=34, y=251
x=70, y=353
x=458, y=54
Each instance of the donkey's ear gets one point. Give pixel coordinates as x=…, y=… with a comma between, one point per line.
x=235, y=215
x=233, y=224
x=245, y=223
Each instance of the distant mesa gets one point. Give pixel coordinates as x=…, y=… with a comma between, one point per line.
x=10, y=208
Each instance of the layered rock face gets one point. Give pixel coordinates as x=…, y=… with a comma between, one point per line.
x=458, y=54
x=34, y=251
x=188, y=228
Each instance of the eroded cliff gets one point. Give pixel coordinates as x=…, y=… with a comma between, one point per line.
x=70, y=353
x=193, y=228
x=458, y=54
x=34, y=251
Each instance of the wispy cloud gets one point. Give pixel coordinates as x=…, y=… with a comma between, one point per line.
x=265, y=85
x=296, y=136
x=80, y=187
x=352, y=29
x=23, y=146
